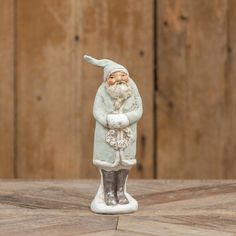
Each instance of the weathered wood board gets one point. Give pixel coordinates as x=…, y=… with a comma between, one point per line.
x=229, y=160
x=6, y=88
x=196, y=89
x=56, y=89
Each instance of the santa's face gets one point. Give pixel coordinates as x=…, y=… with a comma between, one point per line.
x=117, y=77
x=118, y=87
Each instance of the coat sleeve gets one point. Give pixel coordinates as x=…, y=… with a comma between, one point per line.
x=99, y=112
x=137, y=112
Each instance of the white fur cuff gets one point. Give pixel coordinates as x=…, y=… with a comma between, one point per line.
x=117, y=121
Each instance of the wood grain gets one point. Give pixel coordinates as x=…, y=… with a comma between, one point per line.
x=174, y=207
x=195, y=97
x=56, y=89
x=229, y=105
x=49, y=91
x=7, y=88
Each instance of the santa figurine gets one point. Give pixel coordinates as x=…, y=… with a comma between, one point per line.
x=117, y=108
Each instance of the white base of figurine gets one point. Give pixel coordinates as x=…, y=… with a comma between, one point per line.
x=98, y=204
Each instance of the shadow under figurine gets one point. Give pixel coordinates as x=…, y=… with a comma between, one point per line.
x=117, y=108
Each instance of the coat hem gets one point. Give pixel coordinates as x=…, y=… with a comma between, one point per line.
x=118, y=163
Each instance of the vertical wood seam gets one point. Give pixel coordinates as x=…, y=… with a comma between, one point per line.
x=15, y=173
x=155, y=87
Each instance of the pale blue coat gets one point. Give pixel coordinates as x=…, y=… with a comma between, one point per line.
x=103, y=105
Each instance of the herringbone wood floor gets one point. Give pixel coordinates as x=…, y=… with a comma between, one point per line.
x=172, y=207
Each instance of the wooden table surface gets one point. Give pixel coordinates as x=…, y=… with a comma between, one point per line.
x=173, y=207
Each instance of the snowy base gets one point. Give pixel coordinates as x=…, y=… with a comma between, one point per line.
x=99, y=206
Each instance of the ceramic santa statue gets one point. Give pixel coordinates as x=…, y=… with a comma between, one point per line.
x=117, y=108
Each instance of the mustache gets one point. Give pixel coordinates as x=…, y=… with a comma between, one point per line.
x=119, y=85
x=119, y=90
x=120, y=82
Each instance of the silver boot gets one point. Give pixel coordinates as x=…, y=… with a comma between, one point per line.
x=121, y=178
x=109, y=183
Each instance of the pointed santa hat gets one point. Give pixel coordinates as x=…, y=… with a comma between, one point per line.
x=108, y=66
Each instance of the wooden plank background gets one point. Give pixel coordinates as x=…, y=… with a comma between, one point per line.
x=181, y=54
x=196, y=98
x=56, y=92
x=6, y=88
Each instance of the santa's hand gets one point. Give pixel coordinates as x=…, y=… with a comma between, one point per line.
x=117, y=121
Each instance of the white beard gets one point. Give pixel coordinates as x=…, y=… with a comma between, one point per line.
x=119, y=92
